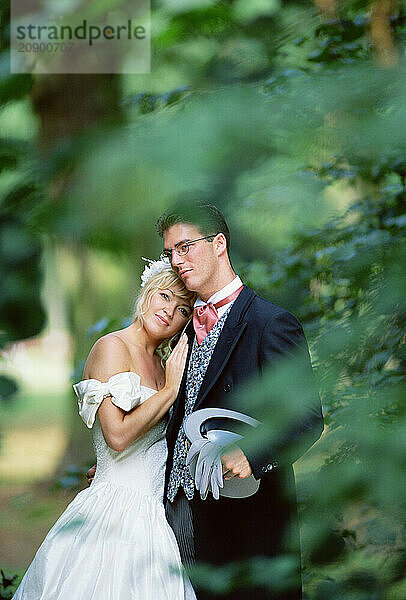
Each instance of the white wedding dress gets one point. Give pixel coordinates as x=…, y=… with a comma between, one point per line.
x=113, y=541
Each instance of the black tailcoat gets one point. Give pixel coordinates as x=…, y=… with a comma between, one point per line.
x=255, y=335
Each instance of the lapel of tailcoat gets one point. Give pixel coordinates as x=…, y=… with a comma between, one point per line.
x=232, y=330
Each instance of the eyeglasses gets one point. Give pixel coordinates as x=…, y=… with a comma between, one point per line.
x=182, y=248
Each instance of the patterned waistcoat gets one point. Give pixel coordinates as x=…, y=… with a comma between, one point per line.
x=199, y=361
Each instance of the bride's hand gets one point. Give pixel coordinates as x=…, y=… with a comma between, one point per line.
x=90, y=474
x=175, y=365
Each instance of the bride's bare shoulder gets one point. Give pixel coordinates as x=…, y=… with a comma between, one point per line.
x=111, y=342
x=108, y=355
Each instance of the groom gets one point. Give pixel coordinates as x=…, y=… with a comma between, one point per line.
x=247, y=335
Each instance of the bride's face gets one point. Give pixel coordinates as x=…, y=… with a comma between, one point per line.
x=167, y=313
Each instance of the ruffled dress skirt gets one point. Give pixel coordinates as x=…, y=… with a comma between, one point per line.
x=111, y=543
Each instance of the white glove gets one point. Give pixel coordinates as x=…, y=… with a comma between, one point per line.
x=204, y=456
x=209, y=470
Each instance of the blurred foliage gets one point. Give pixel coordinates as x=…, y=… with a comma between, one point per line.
x=7, y=585
x=289, y=118
x=21, y=312
x=8, y=387
x=71, y=479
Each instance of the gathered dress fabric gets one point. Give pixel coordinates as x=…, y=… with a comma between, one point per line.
x=113, y=541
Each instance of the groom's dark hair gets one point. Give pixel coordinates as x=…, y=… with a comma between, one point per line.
x=206, y=217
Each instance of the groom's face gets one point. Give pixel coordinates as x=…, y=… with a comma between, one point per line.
x=199, y=266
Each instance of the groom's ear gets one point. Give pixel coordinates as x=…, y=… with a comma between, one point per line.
x=220, y=244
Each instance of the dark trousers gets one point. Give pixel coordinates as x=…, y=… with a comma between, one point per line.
x=180, y=518
x=193, y=523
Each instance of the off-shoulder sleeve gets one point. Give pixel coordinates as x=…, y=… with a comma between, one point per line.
x=124, y=388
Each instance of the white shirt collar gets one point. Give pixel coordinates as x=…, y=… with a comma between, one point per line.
x=223, y=293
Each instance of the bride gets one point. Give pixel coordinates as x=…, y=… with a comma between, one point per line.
x=113, y=541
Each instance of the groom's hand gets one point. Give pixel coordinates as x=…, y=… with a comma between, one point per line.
x=235, y=464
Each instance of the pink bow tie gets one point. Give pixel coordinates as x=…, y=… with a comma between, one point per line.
x=206, y=316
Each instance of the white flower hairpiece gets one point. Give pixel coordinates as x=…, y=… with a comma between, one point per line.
x=154, y=267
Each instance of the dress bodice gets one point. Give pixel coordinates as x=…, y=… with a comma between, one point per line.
x=141, y=466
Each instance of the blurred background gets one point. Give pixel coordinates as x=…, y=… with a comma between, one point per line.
x=288, y=115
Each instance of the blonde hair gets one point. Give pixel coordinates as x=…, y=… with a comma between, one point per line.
x=165, y=280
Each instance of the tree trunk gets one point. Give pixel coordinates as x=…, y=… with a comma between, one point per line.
x=68, y=105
